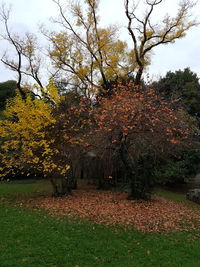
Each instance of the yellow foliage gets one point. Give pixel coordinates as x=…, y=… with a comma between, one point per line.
x=25, y=142
x=88, y=53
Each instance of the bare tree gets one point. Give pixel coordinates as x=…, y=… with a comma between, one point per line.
x=146, y=35
x=13, y=40
x=33, y=59
x=26, y=60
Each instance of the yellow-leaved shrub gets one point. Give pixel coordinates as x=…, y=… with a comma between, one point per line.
x=25, y=142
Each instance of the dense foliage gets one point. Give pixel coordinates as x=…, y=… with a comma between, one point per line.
x=183, y=85
x=7, y=90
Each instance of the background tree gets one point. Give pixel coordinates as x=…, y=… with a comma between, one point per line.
x=7, y=90
x=89, y=54
x=183, y=85
x=74, y=122
x=147, y=35
x=179, y=168
x=26, y=59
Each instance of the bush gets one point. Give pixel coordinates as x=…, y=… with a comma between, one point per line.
x=179, y=170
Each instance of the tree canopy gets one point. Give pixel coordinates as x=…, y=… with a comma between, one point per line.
x=183, y=85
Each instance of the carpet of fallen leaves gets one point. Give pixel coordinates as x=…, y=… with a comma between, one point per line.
x=112, y=208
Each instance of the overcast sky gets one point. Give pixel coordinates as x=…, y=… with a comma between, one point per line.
x=27, y=14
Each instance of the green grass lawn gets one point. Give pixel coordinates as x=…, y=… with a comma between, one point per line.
x=176, y=197
x=16, y=190
x=32, y=238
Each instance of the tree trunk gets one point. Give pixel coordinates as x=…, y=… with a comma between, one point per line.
x=138, y=183
x=55, y=187
x=139, y=76
x=141, y=186
x=66, y=188
x=61, y=186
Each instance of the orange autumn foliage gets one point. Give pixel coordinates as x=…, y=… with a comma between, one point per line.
x=142, y=116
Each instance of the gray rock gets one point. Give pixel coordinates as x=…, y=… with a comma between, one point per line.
x=194, y=195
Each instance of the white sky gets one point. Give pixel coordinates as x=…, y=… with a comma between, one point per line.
x=27, y=14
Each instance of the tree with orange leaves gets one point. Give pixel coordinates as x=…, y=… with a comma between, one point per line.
x=140, y=126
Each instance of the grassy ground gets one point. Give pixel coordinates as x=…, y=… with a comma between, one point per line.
x=16, y=190
x=31, y=238
x=176, y=197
